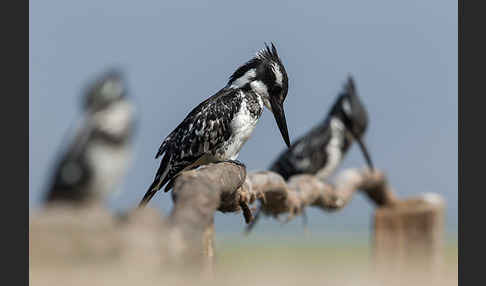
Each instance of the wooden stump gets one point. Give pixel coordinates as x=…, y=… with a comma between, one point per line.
x=408, y=235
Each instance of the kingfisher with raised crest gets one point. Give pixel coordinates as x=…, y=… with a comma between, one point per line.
x=321, y=150
x=217, y=129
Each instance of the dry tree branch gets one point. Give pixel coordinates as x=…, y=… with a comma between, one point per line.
x=222, y=186
x=307, y=190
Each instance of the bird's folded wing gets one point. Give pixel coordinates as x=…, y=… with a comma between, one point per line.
x=204, y=129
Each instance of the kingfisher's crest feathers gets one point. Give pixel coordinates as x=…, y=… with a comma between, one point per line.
x=267, y=55
x=350, y=86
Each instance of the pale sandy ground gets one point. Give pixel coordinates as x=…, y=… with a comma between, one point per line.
x=253, y=265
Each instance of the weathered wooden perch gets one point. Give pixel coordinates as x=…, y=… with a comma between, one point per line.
x=223, y=187
x=302, y=191
x=307, y=190
x=197, y=194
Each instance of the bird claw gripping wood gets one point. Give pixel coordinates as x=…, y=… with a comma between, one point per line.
x=246, y=212
x=240, y=200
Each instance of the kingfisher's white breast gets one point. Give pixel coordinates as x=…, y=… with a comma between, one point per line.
x=333, y=149
x=109, y=163
x=242, y=126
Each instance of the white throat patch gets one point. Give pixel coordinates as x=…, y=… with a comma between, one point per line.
x=261, y=90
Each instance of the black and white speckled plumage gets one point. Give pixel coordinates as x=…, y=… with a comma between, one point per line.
x=323, y=148
x=207, y=131
x=216, y=129
x=94, y=162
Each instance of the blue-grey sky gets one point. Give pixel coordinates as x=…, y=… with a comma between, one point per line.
x=403, y=55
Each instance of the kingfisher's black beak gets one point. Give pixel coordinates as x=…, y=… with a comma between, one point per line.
x=279, y=114
x=364, y=150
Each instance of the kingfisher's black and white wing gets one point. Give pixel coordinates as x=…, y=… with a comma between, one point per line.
x=306, y=155
x=205, y=129
x=72, y=172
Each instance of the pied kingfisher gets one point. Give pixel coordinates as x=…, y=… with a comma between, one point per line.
x=96, y=160
x=322, y=149
x=217, y=129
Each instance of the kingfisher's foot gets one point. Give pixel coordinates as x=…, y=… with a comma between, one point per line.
x=253, y=222
x=246, y=212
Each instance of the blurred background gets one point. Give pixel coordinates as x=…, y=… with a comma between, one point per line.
x=175, y=54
